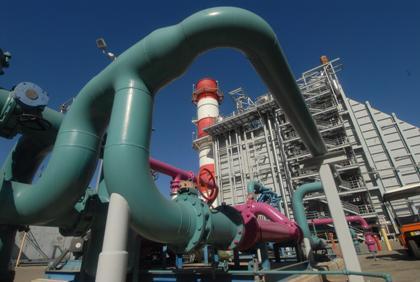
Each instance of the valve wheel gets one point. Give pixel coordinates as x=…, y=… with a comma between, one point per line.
x=206, y=184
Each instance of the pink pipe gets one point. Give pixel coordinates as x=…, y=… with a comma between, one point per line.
x=177, y=174
x=278, y=229
x=273, y=232
x=171, y=170
x=369, y=241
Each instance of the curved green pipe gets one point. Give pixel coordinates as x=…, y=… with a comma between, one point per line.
x=299, y=211
x=135, y=76
x=146, y=67
x=20, y=167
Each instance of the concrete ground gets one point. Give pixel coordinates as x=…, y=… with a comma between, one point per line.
x=28, y=273
x=397, y=263
x=402, y=267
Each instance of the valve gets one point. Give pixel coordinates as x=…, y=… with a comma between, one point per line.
x=206, y=184
x=32, y=99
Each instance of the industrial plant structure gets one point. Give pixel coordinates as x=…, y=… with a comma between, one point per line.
x=258, y=142
x=304, y=137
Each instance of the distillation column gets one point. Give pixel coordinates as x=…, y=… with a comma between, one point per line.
x=207, y=97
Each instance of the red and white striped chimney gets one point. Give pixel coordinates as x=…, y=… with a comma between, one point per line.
x=207, y=97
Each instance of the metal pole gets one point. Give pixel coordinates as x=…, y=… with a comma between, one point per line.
x=112, y=265
x=341, y=227
x=280, y=178
x=271, y=162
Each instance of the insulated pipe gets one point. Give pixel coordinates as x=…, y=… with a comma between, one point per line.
x=299, y=212
x=300, y=217
x=20, y=201
x=171, y=170
x=135, y=76
x=149, y=65
x=273, y=232
x=369, y=241
x=278, y=229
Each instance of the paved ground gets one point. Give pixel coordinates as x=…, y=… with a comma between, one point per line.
x=397, y=263
x=27, y=273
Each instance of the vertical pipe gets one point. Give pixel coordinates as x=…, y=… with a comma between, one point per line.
x=270, y=157
x=282, y=191
x=385, y=236
x=112, y=265
x=241, y=164
x=247, y=157
x=220, y=197
x=231, y=172
x=262, y=253
x=95, y=243
x=284, y=157
x=381, y=137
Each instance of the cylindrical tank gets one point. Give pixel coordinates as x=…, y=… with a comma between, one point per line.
x=207, y=97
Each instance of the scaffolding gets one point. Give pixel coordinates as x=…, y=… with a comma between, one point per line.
x=258, y=142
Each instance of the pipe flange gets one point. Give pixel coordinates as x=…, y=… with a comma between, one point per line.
x=236, y=218
x=189, y=197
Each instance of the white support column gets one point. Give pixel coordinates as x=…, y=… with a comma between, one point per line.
x=112, y=264
x=340, y=224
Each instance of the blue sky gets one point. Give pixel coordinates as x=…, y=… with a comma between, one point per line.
x=53, y=45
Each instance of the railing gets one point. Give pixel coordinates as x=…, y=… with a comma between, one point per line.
x=351, y=207
x=366, y=209
x=317, y=214
x=359, y=209
x=324, y=124
x=351, y=183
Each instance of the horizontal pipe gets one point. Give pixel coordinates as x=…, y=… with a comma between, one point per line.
x=171, y=170
x=278, y=229
x=369, y=241
x=350, y=218
x=385, y=276
x=274, y=232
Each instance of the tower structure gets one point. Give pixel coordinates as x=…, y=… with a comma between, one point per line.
x=259, y=143
x=207, y=97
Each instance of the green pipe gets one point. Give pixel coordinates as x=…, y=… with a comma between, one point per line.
x=150, y=64
x=62, y=183
x=387, y=277
x=136, y=75
x=299, y=211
